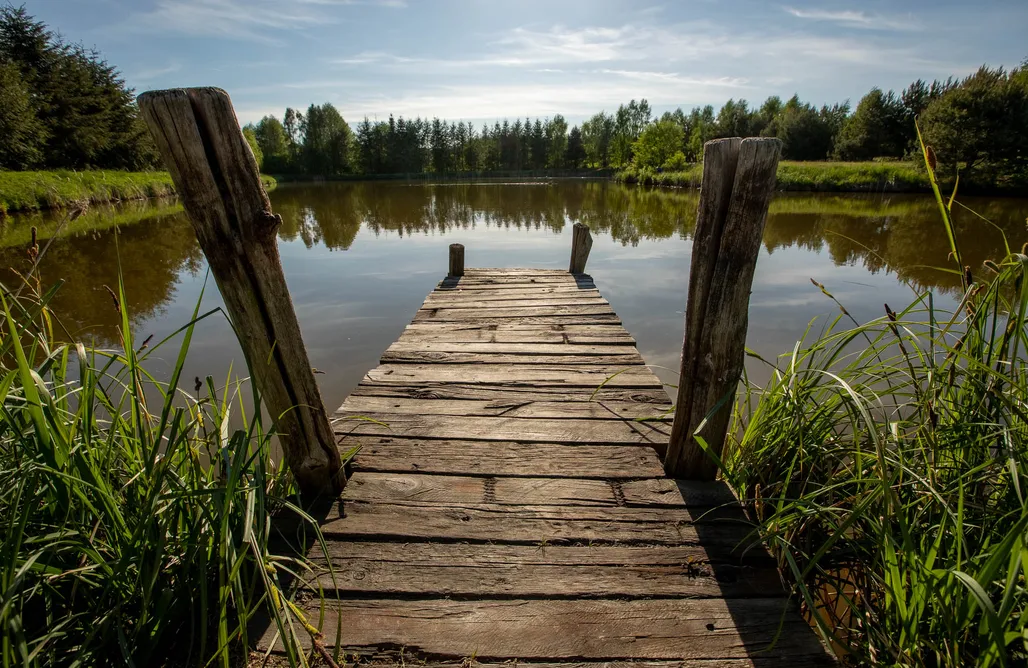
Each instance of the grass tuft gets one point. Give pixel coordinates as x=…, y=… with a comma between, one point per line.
x=886, y=464
x=135, y=513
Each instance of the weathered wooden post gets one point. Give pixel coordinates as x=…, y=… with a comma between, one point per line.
x=581, y=244
x=456, y=260
x=216, y=176
x=738, y=181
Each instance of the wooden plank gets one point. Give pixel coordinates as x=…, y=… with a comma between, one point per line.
x=504, y=458
x=522, y=429
x=597, y=571
x=520, y=349
x=605, y=334
x=447, y=287
x=537, y=302
x=517, y=271
x=451, y=489
x=682, y=629
x=357, y=404
x=498, y=293
x=517, y=279
x=535, y=525
x=463, y=490
x=629, y=357
x=535, y=375
x=474, y=319
x=441, y=314
x=654, y=397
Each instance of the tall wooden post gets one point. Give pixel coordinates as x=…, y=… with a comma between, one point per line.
x=581, y=244
x=198, y=135
x=738, y=181
x=456, y=260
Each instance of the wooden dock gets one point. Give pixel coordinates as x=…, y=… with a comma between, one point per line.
x=509, y=501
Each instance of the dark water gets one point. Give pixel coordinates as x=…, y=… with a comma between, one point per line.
x=360, y=258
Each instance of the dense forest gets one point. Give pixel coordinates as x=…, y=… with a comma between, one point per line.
x=64, y=106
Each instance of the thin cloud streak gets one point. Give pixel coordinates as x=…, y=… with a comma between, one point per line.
x=853, y=19
x=249, y=20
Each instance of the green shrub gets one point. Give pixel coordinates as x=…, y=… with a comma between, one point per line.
x=676, y=163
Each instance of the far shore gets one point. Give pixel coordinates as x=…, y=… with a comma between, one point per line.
x=41, y=190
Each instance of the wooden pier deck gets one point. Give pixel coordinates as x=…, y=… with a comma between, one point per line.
x=504, y=508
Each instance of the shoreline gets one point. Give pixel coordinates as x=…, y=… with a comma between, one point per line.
x=26, y=192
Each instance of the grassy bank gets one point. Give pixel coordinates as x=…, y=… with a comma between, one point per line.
x=886, y=465
x=28, y=191
x=134, y=512
x=805, y=176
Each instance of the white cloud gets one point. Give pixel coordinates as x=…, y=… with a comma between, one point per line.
x=255, y=20
x=854, y=19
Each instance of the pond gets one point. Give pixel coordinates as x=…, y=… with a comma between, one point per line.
x=360, y=258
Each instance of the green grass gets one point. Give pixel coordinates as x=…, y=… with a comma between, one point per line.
x=886, y=466
x=28, y=191
x=135, y=513
x=806, y=176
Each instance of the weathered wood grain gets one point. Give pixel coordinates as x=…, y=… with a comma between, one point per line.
x=512, y=292
x=653, y=397
x=575, y=300
x=502, y=458
x=628, y=357
x=501, y=317
x=456, y=260
x=581, y=244
x=580, y=283
x=586, y=314
x=715, y=341
x=496, y=571
x=535, y=525
x=359, y=404
x=521, y=350
x=605, y=334
x=523, y=429
x=535, y=375
x=199, y=138
x=506, y=506
x=449, y=489
x=682, y=629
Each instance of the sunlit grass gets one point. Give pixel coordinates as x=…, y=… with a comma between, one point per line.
x=27, y=191
x=136, y=514
x=805, y=176
x=886, y=464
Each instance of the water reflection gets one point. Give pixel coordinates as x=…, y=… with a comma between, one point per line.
x=351, y=305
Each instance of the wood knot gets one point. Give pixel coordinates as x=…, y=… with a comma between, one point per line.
x=266, y=225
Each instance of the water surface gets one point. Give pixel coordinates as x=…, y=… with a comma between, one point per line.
x=360, y=258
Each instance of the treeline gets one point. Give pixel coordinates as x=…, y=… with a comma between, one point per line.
x=62, y=106
x=977, y=124
x=321, y=142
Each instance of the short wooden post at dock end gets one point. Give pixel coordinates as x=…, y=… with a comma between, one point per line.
x=581, y=244
x=216, y=176
x=456, y=260
x=738, y=181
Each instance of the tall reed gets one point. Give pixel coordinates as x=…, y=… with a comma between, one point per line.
x=134, y=517
x=887, y=466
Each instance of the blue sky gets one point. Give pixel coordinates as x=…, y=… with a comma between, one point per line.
x=486, y=59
